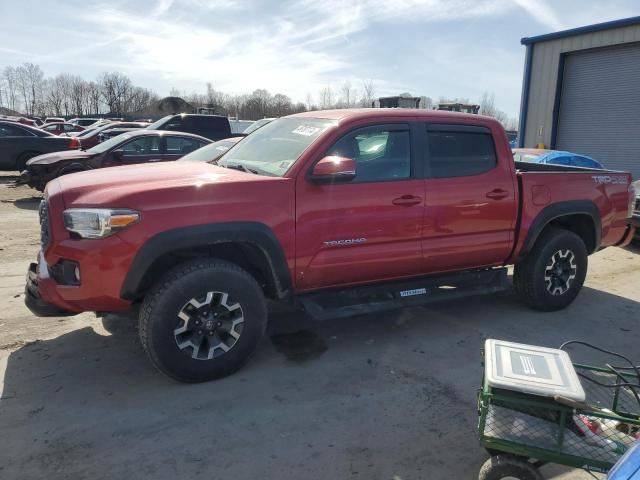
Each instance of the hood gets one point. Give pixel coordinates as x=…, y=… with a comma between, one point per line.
x=133, y=185
x=64, y=155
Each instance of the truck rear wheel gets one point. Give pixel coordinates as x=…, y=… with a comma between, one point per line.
x=202, y=320
x=552, y=274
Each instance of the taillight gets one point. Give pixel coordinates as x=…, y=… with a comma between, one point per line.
x=632, y=199
x=74, y=143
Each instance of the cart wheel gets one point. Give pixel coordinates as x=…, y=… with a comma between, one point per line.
x=508, y=467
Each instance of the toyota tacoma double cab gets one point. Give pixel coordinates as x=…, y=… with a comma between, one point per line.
x=342, y=212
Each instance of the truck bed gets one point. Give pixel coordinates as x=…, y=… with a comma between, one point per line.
x=545, y=187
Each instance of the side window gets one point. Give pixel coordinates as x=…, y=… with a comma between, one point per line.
x=181, y=145
x=11, y=131
x=175, y=125
x=69, y=128
x=216, y=125
x=380, y=153
x=51, y=128
x=460, y=154
x=141, y=146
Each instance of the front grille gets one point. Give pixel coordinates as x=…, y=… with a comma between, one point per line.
x=43, y=212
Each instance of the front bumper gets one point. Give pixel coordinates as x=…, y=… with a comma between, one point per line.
x=36, y=279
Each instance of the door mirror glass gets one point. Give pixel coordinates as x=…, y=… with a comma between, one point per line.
x=334, y=169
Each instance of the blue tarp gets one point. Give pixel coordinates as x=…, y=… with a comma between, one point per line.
x=557, y=157
x=628, y=467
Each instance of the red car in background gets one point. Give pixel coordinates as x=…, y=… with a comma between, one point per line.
x=92, y=138
x=58, y=128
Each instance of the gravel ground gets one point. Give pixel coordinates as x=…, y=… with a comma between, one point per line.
x=386, y=396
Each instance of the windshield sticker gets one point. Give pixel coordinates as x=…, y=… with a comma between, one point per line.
x=306, y=130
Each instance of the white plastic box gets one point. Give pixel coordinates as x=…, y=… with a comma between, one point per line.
x=529, y=369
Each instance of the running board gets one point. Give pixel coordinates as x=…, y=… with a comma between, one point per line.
x=389, y=296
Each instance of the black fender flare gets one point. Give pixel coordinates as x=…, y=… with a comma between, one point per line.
x=208, y=235
x=562, y=209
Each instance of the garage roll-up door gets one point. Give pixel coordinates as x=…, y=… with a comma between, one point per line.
x=599, y=111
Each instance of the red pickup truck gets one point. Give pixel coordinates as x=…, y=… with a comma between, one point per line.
x=343, y=212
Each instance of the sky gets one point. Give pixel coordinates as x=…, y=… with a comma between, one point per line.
x=436, y=48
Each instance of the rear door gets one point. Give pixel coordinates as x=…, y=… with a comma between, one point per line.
x=368, y=229
x=141, y=149
x=471, y=201
x=175, y=147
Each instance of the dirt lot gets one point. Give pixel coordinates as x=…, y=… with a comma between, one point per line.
x=388, y=396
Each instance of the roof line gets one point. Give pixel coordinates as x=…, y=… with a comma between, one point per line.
x=623, y=22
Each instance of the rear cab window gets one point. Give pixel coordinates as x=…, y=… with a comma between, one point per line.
x=460, y=150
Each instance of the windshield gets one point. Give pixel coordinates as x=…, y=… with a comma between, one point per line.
x=155, y=125
x=272, y=149
x=256, y=125
x=90, y=131
x=112, y=142
x=209, y=153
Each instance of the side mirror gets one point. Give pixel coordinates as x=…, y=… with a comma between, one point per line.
x=334, y=169
x=117, y=155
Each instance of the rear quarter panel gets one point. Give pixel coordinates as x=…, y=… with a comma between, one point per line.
x=607, y=190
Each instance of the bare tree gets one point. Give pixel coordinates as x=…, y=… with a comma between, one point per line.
x=10, y=77
x=487, y=107
x=348, y=94
x=309, y=101
x=30, y=78
x=93, y=98
x=281, y=105
x=368, y=93
x=53, y=96
x=116, y=90
x=326, y=98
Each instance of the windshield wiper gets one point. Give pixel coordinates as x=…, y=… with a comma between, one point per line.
x=239, y=166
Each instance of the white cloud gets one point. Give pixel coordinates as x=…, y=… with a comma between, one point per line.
x=542, y=13
x=296, y=48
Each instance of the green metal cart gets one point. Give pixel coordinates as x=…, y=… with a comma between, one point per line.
x=522, y=431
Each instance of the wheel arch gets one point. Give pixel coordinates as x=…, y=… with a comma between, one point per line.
x=250, y=245
x=581, y=217
x=23, y=157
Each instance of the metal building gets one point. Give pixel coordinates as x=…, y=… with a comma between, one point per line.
x=581, y=92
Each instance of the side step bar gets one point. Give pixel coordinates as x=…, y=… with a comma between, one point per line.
x=389, y=296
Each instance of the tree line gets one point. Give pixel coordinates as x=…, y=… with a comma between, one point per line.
x=25, y=89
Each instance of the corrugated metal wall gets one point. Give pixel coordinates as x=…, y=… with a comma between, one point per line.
x=544, y=75
x=600, y=106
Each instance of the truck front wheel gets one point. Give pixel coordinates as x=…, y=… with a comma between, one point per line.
x=552, y=274
x=202, y=320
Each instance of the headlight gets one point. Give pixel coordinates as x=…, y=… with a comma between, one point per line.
x=98, y=222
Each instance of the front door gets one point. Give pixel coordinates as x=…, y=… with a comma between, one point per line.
x=369, y=228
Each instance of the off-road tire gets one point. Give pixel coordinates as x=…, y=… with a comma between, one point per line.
x=21, y=162
x=508, y=466
x=159, y=318
x=529, y=275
